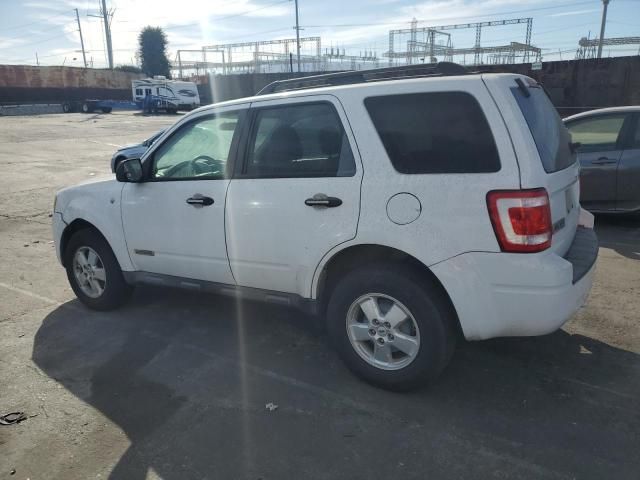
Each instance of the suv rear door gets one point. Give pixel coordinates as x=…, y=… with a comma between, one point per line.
x=295, y=193
x=543, y=149
x=599, y=154
x=629, y=169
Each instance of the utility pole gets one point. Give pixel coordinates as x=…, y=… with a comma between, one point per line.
x=84, y=57
x=107, y=33
x=605, y=4
x=297, y=36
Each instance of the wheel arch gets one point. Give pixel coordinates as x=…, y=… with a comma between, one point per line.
x=353, y=256
x=74, y=227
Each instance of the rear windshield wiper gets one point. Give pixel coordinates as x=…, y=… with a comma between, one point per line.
x=523, y=88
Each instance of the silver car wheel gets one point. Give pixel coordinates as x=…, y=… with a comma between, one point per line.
x=89, y=272
x=383, y=331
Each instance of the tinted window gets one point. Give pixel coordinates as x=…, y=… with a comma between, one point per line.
x=200, y=149
x=299, y=141
x=552, y=139
x=597, y=133
x=444, y=132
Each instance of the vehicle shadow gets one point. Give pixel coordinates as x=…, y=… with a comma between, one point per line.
x=620, y=233
x=187, y=377
x=158, y=114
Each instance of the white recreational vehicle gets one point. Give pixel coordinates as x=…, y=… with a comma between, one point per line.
x=183, y=94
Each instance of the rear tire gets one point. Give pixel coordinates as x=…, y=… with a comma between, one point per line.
x=94, y=273
x=420, y=344
x=86, y=108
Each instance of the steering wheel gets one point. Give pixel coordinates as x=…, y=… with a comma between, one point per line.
x=201, y=165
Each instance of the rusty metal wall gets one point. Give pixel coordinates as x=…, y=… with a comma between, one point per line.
x=573, y=85
x=23, y=83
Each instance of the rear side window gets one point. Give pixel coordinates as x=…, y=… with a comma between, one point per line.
x=303, y=140
x=597, y=134
x=440, y=132
x=552, y=139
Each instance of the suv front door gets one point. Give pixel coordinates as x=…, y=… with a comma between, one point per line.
x=174, y=221
x=294, y=196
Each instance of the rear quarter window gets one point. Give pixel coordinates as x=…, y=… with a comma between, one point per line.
x=438, y=132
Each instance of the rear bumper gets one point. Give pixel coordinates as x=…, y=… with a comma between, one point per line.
x=504, y=294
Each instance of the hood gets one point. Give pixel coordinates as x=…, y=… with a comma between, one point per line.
x=131, y=146
x=103, y=186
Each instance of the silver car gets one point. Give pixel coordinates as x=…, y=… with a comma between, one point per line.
x=609, y=154
x=133, y=151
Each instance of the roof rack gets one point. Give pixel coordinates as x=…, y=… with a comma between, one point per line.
x=362, y=76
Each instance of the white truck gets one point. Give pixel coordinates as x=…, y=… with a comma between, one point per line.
x=406, y=212
x=172, y=94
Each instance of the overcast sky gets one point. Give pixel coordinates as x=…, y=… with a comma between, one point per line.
x=49, y=28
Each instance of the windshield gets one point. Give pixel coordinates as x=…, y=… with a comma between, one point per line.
x=553, y=140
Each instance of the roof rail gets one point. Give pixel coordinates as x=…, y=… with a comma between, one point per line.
x=363, y=76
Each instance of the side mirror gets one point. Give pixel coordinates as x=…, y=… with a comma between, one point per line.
x=129, y=170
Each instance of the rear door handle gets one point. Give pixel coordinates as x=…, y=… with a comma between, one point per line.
x=199, y=200
x=321, y=200
x=604, y=161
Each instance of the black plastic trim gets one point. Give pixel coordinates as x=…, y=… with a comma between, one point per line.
x=439, y=69
x=583, y=252
x=306, y=305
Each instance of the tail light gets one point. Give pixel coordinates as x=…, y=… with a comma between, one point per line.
x=521, y=219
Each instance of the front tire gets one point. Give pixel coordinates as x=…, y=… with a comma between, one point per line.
x=391, y=327
x=94, y=273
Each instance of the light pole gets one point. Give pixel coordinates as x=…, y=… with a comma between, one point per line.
x=298, y=36
x=84, y=57
x=605, y=4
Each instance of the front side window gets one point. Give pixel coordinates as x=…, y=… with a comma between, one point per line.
x=199, y=149
x=439, y=132
x=597, y=134
x=299, y=141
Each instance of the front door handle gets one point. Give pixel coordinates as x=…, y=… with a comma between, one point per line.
x=321, y=200
x=199, y=200
x=604, y=161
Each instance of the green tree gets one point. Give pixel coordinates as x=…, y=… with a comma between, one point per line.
x=128, y=68
x=153, y=52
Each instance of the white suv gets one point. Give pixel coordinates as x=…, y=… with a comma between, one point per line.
x=406, y=211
